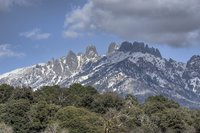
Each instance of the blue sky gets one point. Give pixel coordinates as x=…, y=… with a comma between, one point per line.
x=35, y=31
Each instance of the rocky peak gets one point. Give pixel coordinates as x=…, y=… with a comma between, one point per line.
x=91, y=51
x=112, y=48
x=70, y=56
x=71, y=60
x=194, y=63
x=139, y=47
x=125, y=47
x=192, y=74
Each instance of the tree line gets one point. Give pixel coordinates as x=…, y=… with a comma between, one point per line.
x=81, y=109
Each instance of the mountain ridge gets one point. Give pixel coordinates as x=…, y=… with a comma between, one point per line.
x=131, y=68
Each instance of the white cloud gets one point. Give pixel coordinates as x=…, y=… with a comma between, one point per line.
x=70, y=34
x=7, y=4
x=35, y=35
x=5, y=51
x=174, y=22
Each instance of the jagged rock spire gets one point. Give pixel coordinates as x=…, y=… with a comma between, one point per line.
x=194, y=63
x=139, y=47
x=112, y=48
x=72, y=60
x=91, y=51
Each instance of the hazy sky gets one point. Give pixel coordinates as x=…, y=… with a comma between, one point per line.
x=35, y=31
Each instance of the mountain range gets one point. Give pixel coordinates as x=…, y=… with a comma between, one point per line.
x=129, y=68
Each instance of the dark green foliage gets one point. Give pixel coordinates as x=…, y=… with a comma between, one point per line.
x=5, y=92
x=78, y=89
x=87, y=102
x=103, y=102
x=64, y=96
x=79, y=120
x=175, y=119
x=81, y=109
x=155, y=104
x=50, y=94
x=41, y=114
x=196, y=117
x=16, y=115
x=2, y=112
x=135, y=113
x=77, y=94
x=22, y=93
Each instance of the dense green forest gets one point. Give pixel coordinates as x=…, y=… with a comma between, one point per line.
x=81, y=109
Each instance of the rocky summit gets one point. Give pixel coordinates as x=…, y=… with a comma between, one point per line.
x=131, y=68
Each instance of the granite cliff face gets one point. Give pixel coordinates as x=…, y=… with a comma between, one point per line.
x=192, y=74
x=131, y=68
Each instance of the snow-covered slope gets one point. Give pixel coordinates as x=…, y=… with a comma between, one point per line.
x=51, y=73
x=132, y=68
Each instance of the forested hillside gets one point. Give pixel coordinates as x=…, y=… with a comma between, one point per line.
x=81, y=109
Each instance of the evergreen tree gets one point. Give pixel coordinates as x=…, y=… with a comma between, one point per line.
x=16, y=115
x=41, y=114
x=5, y=92
x=79, y=120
